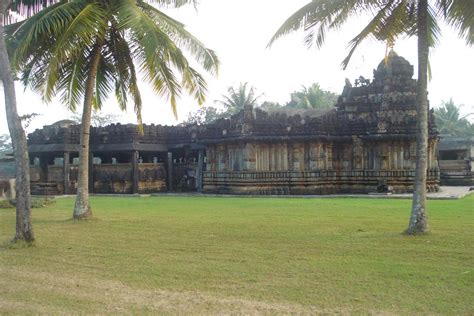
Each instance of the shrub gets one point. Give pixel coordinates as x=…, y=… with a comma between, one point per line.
x=6, y=204
x=38, y=202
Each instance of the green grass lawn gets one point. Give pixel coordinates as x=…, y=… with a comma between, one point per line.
x=243, y=255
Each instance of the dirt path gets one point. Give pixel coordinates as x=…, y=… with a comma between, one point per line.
x=94, y=296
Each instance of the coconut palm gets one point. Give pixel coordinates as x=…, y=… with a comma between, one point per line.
x=238, y=98
x=390, y=20
x=24, y=227
x=312, y=97
x=84, y=50
x=450, y=121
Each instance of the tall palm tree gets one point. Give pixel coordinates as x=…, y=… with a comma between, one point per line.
x=238, y=98
x=392, y=19
x=87, y=49
x=24, y=228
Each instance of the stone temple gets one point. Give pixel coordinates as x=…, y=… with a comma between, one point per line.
x=365, y=144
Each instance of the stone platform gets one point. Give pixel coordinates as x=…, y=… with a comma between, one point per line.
x=445, y=193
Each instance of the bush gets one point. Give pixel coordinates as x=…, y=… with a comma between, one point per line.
x=38, y=202
x=6, y=204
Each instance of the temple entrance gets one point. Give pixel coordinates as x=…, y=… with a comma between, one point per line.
x=185, y=167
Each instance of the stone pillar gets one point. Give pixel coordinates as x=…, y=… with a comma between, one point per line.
x=43, y=168
x=66, y=172
x=400, y=156
x=329, y=162
x=135, y=172
x=170, y=171
x=12, y=189
x=307, y=156
x=298, y=157
x=289, y=151
x=200, y=170
x=91, y=173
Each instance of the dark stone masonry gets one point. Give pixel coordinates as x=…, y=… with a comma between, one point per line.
x=365, y=144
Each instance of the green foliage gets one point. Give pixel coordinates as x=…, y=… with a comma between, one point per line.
x=52, y=51
x=390, y=20
x=450, y=122
x=6, y=168
x=317, y=256
x=312, y=97
x=42, y=202
x=39, y=202
x=98, y=119
x=5, y=145
x=237, y=99
x=6, y=204
x=205, y=115
x=270, y=106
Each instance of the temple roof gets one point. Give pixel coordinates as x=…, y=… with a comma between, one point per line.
x=393, y=65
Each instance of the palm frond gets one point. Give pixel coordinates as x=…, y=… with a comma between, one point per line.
x=460, y=15
x=183, y=39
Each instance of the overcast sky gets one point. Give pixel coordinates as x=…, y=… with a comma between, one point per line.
x=239, y=32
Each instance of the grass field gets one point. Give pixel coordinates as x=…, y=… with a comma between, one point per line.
x=243, y=255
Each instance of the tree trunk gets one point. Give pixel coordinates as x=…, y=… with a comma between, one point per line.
x=419, y=220
x=24, y=228
x=82, y=209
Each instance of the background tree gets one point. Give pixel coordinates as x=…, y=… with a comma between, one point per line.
x=450, y=122
x=312, y=97
x=98, y=119
x=205, y=115
x=233, y=102
x=5, y=145
x=390, y=20
x=6, y=167
x=271, y=106
x=237, y=98
x=87, y=49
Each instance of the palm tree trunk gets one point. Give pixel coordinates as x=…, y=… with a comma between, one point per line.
x=82, y=209
x=24, y=228
x=419, y=220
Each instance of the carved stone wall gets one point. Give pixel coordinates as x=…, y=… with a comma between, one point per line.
x=366, y=142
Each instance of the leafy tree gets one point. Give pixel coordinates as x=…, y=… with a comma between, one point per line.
x=271, y=106
x=392, y=19
x=98, y=119
x=83, y=50
x=5, y=145
x=205, y=115
x=312, y=97
x=5, y=149
x=450, y=122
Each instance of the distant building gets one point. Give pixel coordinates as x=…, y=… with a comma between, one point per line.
x=456, y=160
x=367, y=143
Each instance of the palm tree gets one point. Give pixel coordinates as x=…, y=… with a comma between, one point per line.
x=312, y=97
x=87, y=49
x=391, y=19
x=238, y=98
x=24, y=228
x=450, y=122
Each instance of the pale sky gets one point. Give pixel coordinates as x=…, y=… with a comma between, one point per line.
x=239, y=32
